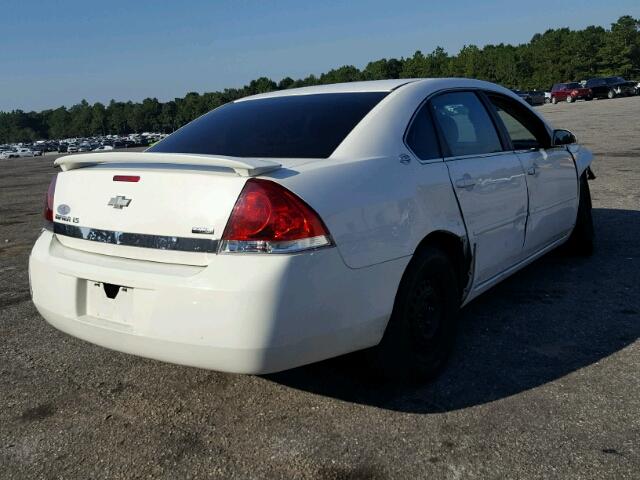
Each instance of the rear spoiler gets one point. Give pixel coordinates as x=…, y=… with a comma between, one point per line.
x=245, y=167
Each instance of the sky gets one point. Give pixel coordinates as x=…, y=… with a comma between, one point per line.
x=55, y=53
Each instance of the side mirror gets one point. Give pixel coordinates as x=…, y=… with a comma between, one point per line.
x=563, y=137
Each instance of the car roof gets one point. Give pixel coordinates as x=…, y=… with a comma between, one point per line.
x=348, y=87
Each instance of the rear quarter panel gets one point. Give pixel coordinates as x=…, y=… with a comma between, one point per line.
x=378, y=209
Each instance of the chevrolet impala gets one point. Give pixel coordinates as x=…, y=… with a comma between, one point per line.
x=293, y=226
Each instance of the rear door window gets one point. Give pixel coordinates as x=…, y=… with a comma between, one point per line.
x=295, y=126
x=465, y=124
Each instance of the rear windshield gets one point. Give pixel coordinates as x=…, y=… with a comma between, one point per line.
x=298, y=126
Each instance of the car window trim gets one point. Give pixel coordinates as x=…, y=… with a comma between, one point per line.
x=479, y=155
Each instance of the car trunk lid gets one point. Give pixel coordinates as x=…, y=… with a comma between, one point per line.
x=169, y=208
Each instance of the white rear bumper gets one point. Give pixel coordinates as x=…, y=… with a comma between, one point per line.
x=241, y=313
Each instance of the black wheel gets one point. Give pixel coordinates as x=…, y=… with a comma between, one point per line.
x=569, y=99
x=582, y=238
x=421, y=332
x=611, y=94
x=554, y=100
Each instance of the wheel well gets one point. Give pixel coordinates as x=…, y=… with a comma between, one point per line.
x=456, y=248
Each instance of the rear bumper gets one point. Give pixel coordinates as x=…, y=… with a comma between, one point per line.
x=242, y=313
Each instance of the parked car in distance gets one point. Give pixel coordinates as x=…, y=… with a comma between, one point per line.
x=569, y=92
x=611, y=87
x=18, y=153
x=103, y=148
x=293, y=226
x=532, y=97
x=72, y=148
x=537, y=97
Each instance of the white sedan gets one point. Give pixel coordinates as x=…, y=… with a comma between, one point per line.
x=293, y=226
x=103, y=148
x=17, y=153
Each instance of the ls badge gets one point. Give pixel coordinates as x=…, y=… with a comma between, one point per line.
x=63, y=212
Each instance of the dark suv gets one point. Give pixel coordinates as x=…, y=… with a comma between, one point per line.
x=611, y=87
x=569, y=92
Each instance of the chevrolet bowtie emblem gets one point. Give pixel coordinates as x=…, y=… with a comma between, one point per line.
x=119, y=202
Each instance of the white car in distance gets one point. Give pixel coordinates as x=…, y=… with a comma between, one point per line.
x=19, y=152
x=293, y=226
x=103, y=148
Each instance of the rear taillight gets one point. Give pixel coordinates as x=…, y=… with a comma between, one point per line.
x=268, y=218
x=48, y=200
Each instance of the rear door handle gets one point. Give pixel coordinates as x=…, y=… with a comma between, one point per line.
x=465, y=182
x=531, y=170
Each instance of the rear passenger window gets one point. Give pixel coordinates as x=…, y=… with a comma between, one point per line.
x=422, y=138
x=465, y=124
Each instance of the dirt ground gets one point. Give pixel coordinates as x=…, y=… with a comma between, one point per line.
x=544, y=382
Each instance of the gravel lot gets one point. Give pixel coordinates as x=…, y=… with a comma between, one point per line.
x=545, y=381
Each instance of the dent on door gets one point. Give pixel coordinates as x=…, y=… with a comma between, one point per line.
x=493, y=197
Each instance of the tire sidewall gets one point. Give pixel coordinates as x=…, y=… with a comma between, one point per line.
x=400, y=355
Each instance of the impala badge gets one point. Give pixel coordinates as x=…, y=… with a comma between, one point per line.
x=119, y=202
x=202, y=230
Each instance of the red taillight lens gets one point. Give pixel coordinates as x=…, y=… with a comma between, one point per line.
x=269, y=218
x=48, y=199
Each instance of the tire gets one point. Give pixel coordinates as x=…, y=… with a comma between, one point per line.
x=582, y=237
x=554, y=100
x=421, y=332
x=611, y=94
x=569, y=99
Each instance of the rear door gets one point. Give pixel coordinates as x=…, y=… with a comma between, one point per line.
x=488, y=181
x=551, y=174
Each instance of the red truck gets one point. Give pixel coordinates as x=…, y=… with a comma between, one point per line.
x=570, y=92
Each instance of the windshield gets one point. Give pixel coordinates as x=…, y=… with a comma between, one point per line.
x=296, y=126
x=574, y=85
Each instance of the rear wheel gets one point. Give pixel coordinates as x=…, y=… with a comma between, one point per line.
x=421, y=332
x=611, y=94
x=569, y=99
x=554, y=100
x=582, y=238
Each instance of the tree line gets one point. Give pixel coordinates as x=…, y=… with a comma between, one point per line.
x=553, y=56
